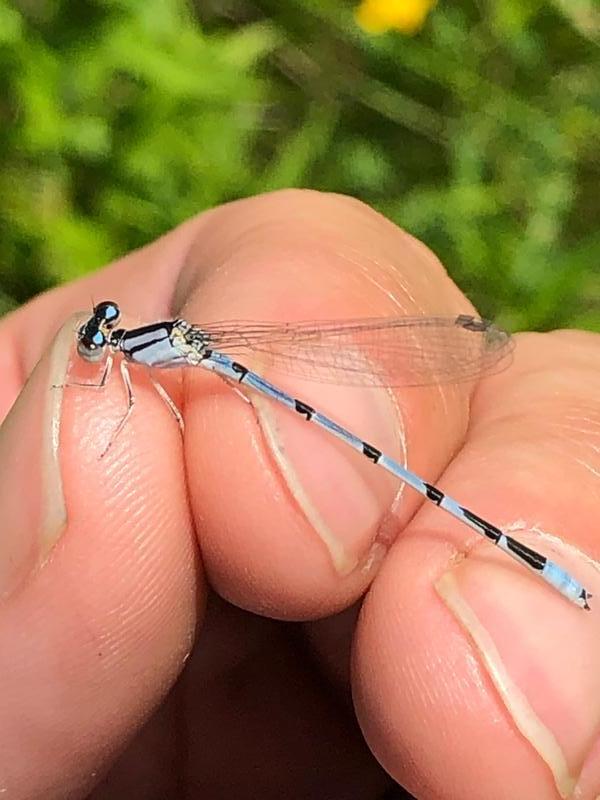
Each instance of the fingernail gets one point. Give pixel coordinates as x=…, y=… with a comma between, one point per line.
x=31, y=494
x=342, y=494
x=541, y=652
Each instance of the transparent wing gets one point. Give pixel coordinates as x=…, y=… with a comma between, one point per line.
x=399, y=351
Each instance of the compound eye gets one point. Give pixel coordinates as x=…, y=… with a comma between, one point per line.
x=91, y=348
x=107, y=312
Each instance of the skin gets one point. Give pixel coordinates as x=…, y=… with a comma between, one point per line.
x=186, y=631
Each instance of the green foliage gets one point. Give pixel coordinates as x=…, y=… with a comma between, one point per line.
x=479, y=134
x=119, y=120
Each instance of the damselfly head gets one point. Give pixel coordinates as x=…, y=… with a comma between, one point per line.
x=94, y=335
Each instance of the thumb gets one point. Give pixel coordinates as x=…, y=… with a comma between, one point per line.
x=89, y=575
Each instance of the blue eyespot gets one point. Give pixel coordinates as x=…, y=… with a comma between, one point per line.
x=98, y=339
x=107, y=312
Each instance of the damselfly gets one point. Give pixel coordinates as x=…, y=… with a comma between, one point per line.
x=400, y=351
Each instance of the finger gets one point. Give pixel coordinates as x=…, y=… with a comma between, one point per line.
x=472, y=677
x=291, y=522
x=98, y=580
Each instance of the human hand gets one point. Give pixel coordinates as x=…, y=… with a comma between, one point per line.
x=470, y=677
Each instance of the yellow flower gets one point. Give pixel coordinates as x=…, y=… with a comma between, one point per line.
x=379, y=16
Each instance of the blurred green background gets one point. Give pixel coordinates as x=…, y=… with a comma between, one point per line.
x=479, y=132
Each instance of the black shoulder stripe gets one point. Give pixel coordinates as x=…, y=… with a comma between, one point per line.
x=166, y=326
